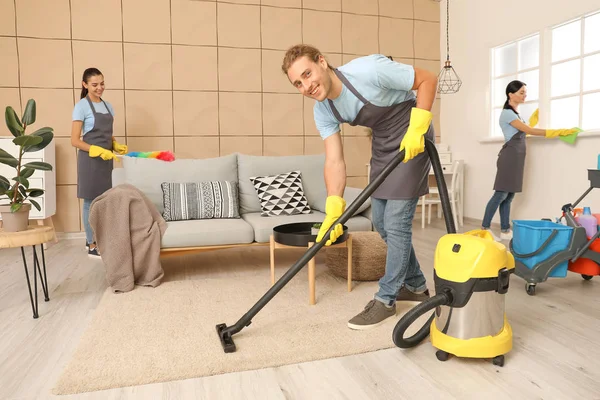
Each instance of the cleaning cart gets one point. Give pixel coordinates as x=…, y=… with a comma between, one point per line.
x=544, y=249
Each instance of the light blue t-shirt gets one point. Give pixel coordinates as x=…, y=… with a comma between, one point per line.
x=378, y=79
x=506, y=117
x=83, y=112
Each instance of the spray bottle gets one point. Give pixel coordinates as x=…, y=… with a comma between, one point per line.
x=589, y=222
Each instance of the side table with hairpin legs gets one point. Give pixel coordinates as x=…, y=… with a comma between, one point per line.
x=33, y=236
x=299, y=235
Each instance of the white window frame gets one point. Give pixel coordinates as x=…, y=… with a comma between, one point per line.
x=545, y=70
x=493, y=78
x=549, y=64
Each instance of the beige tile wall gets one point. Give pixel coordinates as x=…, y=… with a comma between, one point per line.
x=200, y=78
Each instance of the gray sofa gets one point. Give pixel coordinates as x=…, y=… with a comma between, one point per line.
x=251, y=228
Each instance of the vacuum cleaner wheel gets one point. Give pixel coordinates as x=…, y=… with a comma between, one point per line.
x=441, y=355
x=498, y=360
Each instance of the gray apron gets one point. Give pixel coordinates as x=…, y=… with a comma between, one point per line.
x=511, y=164
x=94, y=173
x=389, y=124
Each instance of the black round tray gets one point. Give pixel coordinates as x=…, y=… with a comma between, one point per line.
x=298, y=234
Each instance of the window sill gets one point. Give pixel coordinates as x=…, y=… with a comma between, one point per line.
x=585, y=134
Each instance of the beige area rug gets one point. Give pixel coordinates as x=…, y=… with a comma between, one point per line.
x=168, y=333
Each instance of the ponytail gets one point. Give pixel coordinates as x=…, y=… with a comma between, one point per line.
x=512, y=87
x=507, y=106
x=87, y=74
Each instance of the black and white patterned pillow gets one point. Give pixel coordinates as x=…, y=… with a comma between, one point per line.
x=281, y=194
x=200, y=200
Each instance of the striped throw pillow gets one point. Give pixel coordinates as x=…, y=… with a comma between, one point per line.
x=200, y=200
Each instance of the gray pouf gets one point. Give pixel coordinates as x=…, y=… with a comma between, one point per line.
x=368, y=257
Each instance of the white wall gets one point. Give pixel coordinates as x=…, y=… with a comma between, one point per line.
x=555, y=172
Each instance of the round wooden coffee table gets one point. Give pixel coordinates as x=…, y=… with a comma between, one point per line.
x=33, y=236
x=299, y=235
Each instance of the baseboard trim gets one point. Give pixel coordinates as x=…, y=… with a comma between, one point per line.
x=477, y=221
x=70, y=235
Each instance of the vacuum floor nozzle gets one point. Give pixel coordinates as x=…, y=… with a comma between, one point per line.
x=226, y=339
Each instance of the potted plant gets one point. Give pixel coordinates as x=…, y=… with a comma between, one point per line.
x=15, y=213
x=314, y=230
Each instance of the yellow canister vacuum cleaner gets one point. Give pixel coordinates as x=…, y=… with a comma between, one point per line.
x=471, y=276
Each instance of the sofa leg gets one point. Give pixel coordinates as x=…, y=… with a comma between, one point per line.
x=311, y=279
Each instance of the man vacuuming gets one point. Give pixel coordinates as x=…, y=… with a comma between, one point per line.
x=376, y=92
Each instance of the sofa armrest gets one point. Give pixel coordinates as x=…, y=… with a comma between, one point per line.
x=367, y=213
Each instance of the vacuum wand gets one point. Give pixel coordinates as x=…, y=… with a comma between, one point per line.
x=441, y=298
x=226, y=332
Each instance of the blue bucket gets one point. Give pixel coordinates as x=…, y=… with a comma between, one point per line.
x=529, y=236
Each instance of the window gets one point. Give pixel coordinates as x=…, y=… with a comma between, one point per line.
x=519, y=60
x=569, y=72
x=574, y=72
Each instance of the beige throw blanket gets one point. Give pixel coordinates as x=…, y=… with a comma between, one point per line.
x=128, y=230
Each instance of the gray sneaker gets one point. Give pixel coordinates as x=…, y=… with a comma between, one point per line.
x=374, y=314
x=406, y=295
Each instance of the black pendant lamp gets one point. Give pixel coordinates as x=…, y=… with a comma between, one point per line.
x=448, y=80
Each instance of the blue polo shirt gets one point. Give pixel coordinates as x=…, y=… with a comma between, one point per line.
x=378, y=79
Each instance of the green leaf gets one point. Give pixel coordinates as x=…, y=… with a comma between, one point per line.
x=22, y=181
x=4, y=183
x=42, y=166
x=35, y=204
x=35, y=192
x=27, y=172
x=29, y=114
x=46, y=133
x=22, y=191
x=27, y=140
x=10, y=193
x=15, y=207
x=7, y=159
x=12, y=122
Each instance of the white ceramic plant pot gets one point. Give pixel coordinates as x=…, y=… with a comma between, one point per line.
x=15, y=221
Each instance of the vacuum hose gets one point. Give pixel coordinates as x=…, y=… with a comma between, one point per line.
x=441, y=299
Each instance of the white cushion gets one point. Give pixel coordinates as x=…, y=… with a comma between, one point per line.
x=263, y=226
x=207, y=232
x=311, y=167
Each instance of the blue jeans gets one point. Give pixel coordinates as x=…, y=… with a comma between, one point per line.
x=502, y=200
x=89, y=233
x=393, y=220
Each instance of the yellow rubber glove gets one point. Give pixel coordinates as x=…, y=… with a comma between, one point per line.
x=334, y=208
x=533, y=120
x=413, y=142
x=119, y=148
x=551, y=133
x=104, y=154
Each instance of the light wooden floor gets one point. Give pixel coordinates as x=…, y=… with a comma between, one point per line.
x=556, y=352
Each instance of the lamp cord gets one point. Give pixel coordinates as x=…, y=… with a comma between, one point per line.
x=447, y=33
